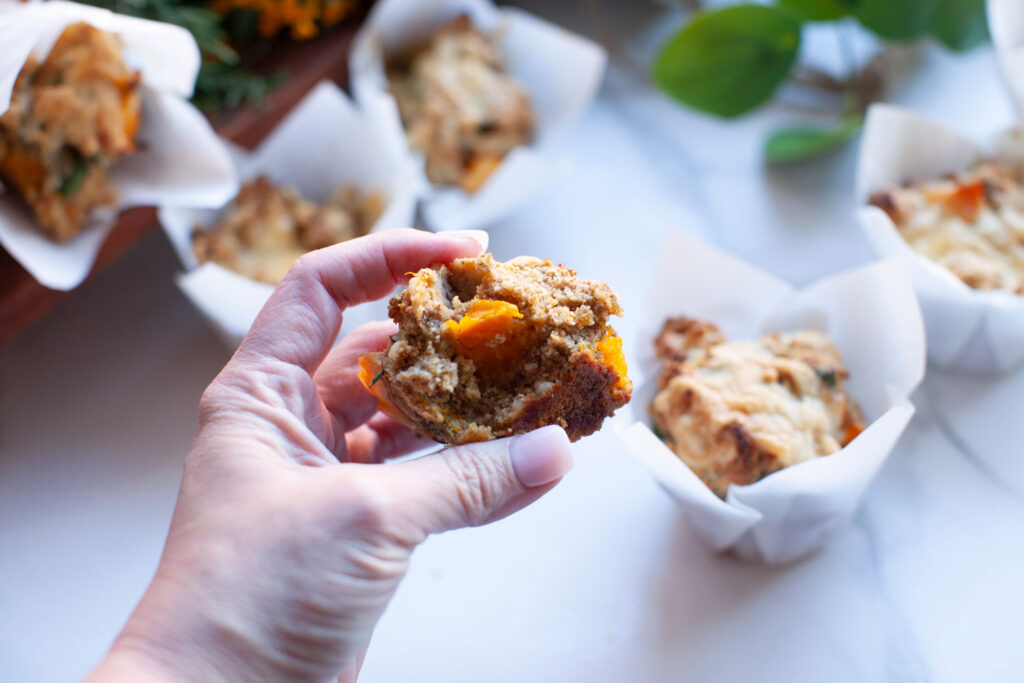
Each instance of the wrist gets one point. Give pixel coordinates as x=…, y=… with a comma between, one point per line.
x=164, y=640
x=125, y=664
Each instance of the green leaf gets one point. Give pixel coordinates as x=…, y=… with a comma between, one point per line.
x=960, y=24
x=797, y=144
x=728, y=61
x=896, y=19
x=818, y=10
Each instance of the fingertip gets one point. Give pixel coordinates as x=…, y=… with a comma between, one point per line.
x=480, y=238
x=541, y=457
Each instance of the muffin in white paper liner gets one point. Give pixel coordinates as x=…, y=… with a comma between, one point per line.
x=871, y=315
x=560, y=71
x=323, y=144
x=967, y=329
x=179, y=157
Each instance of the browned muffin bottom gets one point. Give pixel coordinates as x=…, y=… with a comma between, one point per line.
x=488, y=349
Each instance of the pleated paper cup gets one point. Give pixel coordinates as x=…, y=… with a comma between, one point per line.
x=559, y=70
x=872, y=316
x=968, y=330
x=325, y=143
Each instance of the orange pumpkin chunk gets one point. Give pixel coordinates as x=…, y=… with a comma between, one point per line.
x=610, y=348
x=490, y=334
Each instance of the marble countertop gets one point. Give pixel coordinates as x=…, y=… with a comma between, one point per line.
x=601, y=580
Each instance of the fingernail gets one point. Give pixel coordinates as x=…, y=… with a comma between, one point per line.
x=541, y=456
x=478, y=236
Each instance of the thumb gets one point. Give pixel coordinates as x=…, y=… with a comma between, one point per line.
x=482, y=482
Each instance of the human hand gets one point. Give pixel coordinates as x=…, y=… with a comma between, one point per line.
x=289, y=537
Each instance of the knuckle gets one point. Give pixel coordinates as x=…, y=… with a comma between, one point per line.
x=303, y=266
x=210, y=403
x=367, y=507
x=479, y=483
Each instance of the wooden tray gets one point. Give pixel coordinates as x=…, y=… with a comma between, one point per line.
x=23, y=300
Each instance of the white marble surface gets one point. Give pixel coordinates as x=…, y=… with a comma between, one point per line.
x=601, y=580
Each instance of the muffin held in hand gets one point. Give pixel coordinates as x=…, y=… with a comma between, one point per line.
x=488, y=349
x=737, y=411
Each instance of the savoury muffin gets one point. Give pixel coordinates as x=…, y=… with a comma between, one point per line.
x=488, y=349
x=460, y=108
x=970, y=222
x=266, y=227
x=70, y=118
x=736, y=411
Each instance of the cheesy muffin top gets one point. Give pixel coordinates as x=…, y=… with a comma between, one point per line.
x=971, y=222
x=736, y=411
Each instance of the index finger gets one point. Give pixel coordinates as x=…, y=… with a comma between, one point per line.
x=300, y=321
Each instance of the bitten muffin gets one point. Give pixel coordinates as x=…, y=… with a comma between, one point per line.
x=460, y=108
x=970, y=222
x=736, y=411
x=488, y=349
x=70, y=119
x=266, y=227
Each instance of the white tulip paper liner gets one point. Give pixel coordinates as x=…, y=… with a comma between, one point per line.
x=179, y=160
x=561, y=72
x=323, y=144
x=1006, y=25
x=870, y=313
x=967, y=329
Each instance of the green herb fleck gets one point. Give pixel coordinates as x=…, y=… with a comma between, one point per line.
x=828, y=377
x=376, y=377
x=73, y=180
